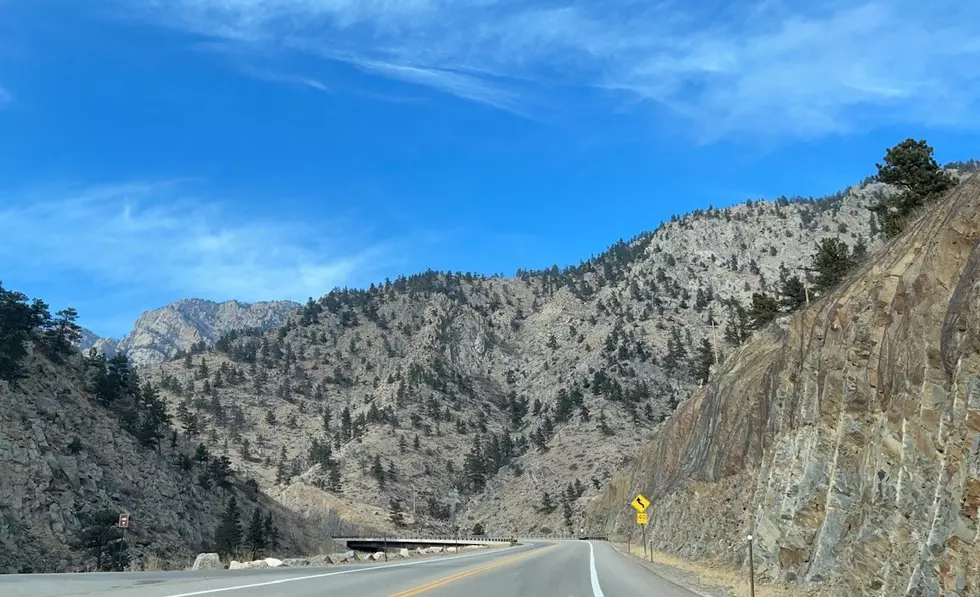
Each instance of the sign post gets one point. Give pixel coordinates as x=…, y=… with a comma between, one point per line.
x=123, y=525
x=642, y=519
x=640, y=503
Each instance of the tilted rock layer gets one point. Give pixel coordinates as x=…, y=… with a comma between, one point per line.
x=846, y=437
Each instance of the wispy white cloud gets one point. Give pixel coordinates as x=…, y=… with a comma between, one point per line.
x=143, y=237
x=5, y=98
x=279, y=77
x=770, y=68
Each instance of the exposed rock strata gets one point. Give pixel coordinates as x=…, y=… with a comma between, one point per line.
x=846, y=437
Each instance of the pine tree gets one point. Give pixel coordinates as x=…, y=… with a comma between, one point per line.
x=792, y=294
x=910, y=166
x=255, y=536
x=703, y=360
x=334, y=479
x=547, y=504
x=475, y=466
x=62, y=335
x=102, y=539
x=282, y=474
x=271, y=532
x=396, y=517
x=201, y=453
x=220, y=471
x=763, y=310
x=346, y=425
x=378, y=472
x=737, y=328
x=832, y=260
x=676, y=352
x=603, y=424
x=228, y=535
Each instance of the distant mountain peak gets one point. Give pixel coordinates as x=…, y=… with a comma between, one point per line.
x=160, y=334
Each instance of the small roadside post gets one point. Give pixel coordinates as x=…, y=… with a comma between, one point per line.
x=751, y=569
x=386, y=546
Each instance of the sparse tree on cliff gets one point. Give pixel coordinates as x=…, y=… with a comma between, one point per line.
x=911, y=167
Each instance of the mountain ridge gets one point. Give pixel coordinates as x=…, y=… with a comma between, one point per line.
x=163, y=333
x=497, y=377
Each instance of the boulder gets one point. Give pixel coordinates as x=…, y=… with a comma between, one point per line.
x=436, y=549
x=258, y=564
x=378, y=556
x=340, y=558
x=236, y=565
x=404, y=553
x=273, y=562
x=295, y=563
x=208, y=561
x=320, y=561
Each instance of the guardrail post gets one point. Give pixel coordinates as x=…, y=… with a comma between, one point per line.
x=751, y=569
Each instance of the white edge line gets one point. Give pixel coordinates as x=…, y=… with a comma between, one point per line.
x=351, y=571
x=596, y=589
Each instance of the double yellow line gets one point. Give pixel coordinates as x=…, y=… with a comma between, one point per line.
x=449, y=579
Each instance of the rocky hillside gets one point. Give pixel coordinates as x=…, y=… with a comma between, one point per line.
x=163, y=333
x=844, y=437
x=80, y=438
x=454, y=399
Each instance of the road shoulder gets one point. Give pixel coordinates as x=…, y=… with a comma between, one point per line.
x=682, y=578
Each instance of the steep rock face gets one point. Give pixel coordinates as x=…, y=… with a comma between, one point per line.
x=162, y=333
x=62, y=456
x=444, y=358
x=846, y=437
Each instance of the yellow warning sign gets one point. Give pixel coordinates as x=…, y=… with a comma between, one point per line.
x=641, y=518
x=640, y=503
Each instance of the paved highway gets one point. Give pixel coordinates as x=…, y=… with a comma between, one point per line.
x=552, y=569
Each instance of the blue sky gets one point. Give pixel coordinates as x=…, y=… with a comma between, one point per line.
x=262, y=149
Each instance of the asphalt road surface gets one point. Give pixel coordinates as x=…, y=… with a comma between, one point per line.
x=538, y=569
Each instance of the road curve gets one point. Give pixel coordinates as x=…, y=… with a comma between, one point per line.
x=553, y=569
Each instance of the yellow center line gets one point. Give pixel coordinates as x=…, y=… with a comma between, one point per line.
x=449, y=579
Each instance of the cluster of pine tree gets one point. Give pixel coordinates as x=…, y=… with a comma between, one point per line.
x=101, y=538
x=22, y=321
x=256, y=541
x=908, y=165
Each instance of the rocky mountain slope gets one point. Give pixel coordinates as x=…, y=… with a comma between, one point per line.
x=78, y=437
x=458, y=400
x=163, y=333
x=845, y=438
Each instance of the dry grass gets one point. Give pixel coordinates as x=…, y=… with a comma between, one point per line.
x=730, y=579
x=154, y=563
